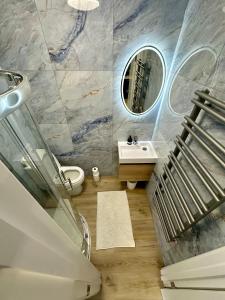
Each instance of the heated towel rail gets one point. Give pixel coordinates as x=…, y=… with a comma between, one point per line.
x=170, y=196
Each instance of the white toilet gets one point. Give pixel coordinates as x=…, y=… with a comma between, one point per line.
x=76, y=176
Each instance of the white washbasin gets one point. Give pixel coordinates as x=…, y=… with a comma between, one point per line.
x=143, y=152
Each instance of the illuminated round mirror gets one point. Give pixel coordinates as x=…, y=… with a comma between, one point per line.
x=195, y=73
x=143, y=80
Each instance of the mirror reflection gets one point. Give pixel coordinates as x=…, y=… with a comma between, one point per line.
x=195, y=73
x=142, y=80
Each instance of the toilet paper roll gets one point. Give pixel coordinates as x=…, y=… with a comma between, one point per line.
x=95, y=171
x=96, y=175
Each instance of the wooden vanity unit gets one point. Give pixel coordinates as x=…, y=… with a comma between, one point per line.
x=136, y=161
x=135, y=172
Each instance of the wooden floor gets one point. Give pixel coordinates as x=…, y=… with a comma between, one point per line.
x=127, y=273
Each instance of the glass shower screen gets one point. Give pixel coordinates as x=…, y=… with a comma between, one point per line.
x=23, y=150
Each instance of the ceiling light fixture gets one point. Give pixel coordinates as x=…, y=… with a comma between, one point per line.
x=83, y=4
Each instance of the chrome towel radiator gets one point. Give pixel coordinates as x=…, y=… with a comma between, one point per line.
x=170, y=197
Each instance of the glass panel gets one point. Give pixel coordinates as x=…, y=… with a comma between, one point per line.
x=25, y=153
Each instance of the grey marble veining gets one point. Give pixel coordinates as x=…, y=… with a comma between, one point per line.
x=77, y=40
x=61, y=54
x=200, y=66
x=86, y=95
x=219, y=80
x=210, y=26
x=87, y=98
x=22, y=42
x=134, y=12
x=203, y=26
x=88, y=127
x=146, y=22
x=44, y=5
x=101, y=159
x=184, y=89
x=197, y=73
x=92, y=147
x=45, y=100
x=57, y=137
x=75, y=62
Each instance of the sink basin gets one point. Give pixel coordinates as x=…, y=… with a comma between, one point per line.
x=141, y=153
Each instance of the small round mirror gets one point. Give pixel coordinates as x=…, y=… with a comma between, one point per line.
x=143, y=80
x=195, y=73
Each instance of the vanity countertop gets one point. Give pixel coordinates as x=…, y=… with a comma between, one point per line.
x=141, y=153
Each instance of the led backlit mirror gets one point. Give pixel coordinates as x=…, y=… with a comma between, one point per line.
x=195, y=73
x=143, y=80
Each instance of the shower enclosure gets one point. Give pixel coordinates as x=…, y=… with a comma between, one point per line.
x=24, y=152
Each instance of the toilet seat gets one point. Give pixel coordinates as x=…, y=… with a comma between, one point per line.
x=75, y=174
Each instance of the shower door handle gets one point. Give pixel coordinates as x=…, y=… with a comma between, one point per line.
x=66, y=181
x=70, y=184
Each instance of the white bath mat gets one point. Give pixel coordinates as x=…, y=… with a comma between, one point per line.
x=114, y=228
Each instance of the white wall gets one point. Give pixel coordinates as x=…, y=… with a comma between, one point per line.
x=32, y=241
x=23, y=285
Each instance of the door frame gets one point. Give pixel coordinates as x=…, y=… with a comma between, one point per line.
x=205, y=271
x=183, y=294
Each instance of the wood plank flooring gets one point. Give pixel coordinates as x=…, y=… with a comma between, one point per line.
x=127, y=273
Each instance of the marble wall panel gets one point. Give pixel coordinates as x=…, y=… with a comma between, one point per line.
x=22, y=42
x=78, y=40
x=57, y=137
x=75, y=61
x=137, y=24
x=45, y=99
x=87, y=98
x=203, y=26
x=145, y=21
x=196, y=73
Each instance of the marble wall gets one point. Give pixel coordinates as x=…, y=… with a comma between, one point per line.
x=203, y=26
x=75, y=61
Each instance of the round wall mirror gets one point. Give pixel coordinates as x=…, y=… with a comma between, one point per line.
x=143, y=80
x=195, y=73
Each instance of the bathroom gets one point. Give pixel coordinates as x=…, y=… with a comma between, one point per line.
x=72, y=138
